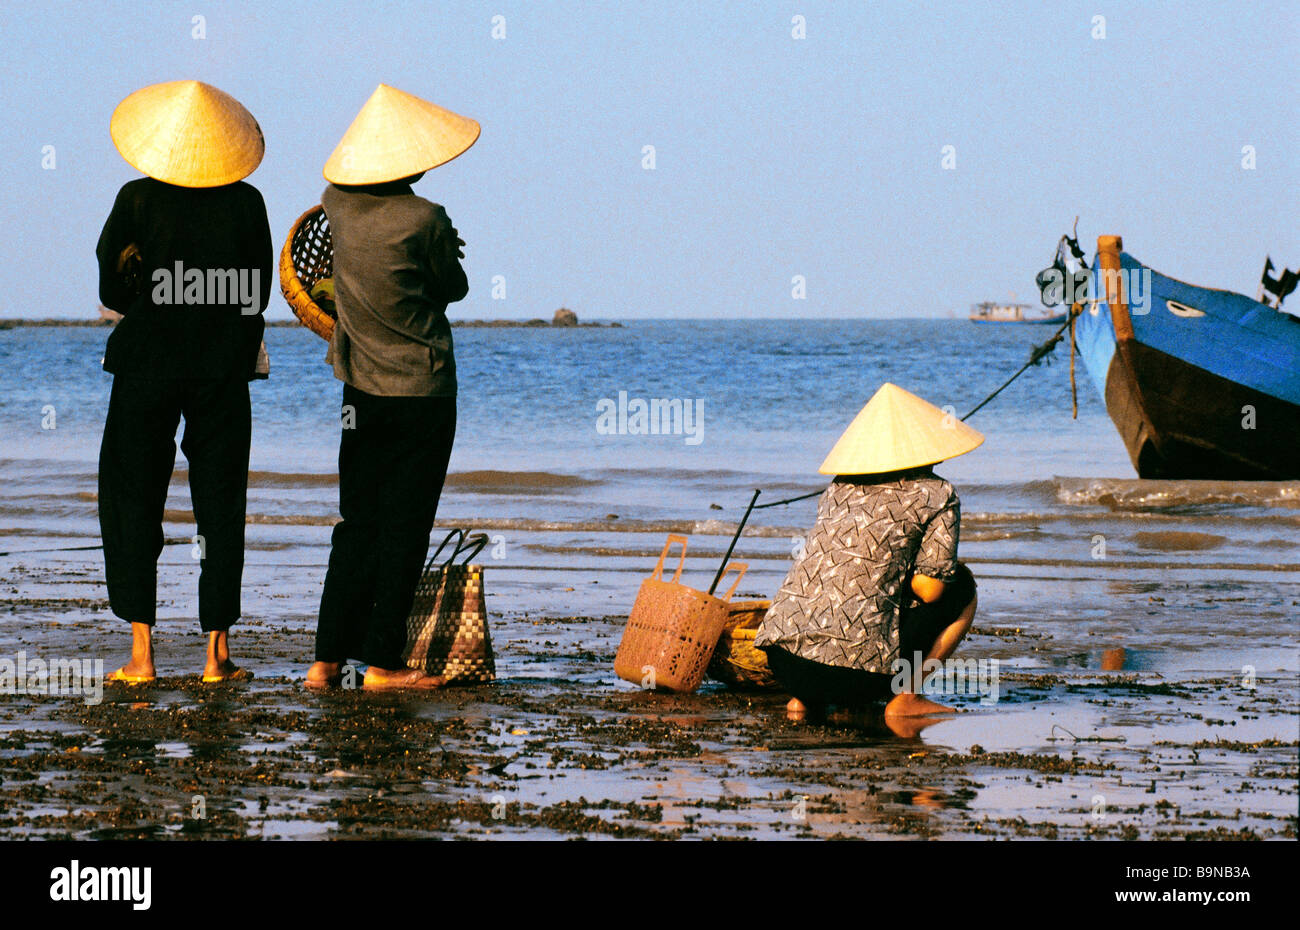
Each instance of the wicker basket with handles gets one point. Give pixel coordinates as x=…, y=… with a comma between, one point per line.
x=672, y=629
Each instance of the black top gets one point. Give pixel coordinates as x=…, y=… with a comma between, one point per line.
x=396, y=267
x=193, y=308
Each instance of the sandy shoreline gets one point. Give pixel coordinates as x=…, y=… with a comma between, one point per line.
x=1191, y=733
x=559, y=748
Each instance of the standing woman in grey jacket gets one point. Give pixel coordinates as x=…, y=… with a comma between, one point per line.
x=396, y=267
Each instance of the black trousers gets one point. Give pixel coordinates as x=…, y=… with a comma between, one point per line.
x=135, y=465
x=392, y=464
x=919, y=625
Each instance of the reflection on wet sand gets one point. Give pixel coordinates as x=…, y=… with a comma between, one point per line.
x=1112, y=660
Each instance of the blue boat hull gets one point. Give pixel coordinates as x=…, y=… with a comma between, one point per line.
x=1200, y=383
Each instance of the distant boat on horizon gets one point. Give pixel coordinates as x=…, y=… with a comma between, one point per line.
x=989, y=311
x=1200, y=383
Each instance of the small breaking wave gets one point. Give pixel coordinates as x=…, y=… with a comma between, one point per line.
x=1179, y=541
x=518, y=482
x=279, y=479
x=1144, y=494
x=529, y=525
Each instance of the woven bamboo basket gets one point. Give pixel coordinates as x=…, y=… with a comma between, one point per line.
x=736, y=662
x=307, y=258
x=672, y=629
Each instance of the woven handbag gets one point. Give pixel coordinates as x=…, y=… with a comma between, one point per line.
x=447, y=630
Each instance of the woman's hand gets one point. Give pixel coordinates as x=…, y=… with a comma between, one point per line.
x=926, y=588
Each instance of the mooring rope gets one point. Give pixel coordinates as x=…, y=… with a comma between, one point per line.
x=1075, y=310
x=1037, y=355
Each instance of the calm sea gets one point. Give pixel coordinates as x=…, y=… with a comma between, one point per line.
x=774, y=395
x=536, y=464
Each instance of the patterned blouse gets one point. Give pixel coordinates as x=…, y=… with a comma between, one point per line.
x=839, y=603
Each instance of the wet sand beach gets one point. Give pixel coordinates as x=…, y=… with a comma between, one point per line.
x=1172, y=743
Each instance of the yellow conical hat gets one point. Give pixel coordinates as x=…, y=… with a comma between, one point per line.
x=187, y=133
x=897, y=430
x=395, y=136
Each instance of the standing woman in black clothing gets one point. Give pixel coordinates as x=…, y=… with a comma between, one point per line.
x=186, y=258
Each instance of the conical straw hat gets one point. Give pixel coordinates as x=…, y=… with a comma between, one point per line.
x=897, y=430
x=395, y=136
x=187, y=133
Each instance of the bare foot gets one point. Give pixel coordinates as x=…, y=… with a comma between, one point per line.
x=137, y=671
x=224, y=671
x=140, y=669
x=909, y=727
x=384, y=679
x=796, y=709
x=219, y=667
x=324, y=675
x=913, y=705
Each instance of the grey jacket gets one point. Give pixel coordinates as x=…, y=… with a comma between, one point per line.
x=395, y=270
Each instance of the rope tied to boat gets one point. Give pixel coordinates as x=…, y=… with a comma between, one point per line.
x=1075, y=310
x=1037, y=354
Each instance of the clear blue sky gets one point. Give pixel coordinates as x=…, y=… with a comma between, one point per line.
x=775, y=157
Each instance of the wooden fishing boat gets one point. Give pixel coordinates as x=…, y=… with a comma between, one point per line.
x=990, y=312
x=1200, y=383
